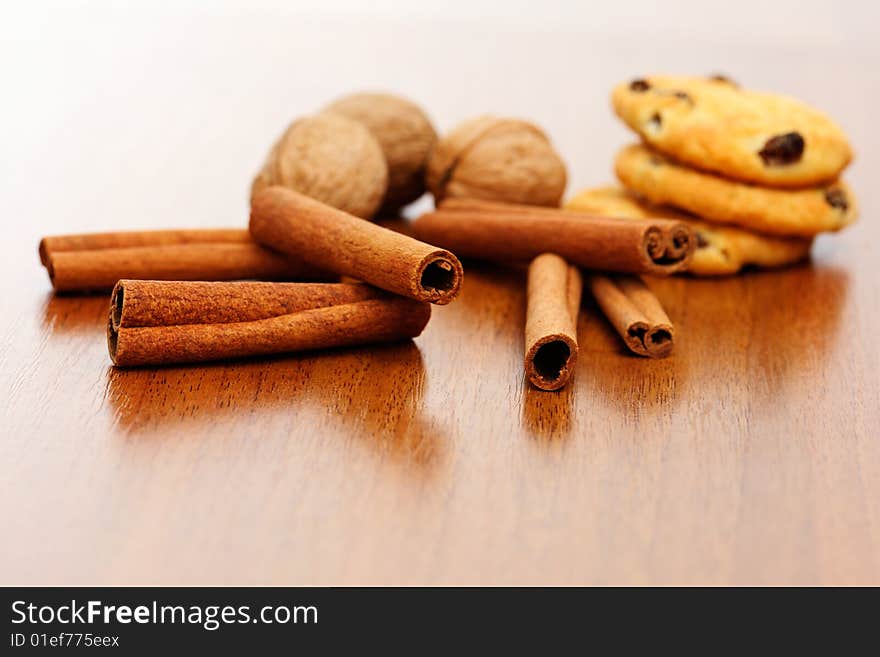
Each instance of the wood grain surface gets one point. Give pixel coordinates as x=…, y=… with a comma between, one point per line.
x=752, y=456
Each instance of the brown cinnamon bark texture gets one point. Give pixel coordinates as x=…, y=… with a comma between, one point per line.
x=121, y=240
x=96, y=262
x=500, y=231
x=337, y=241
x=553, y=301
x=636, y=314
x=164, y=322
x=170, y=303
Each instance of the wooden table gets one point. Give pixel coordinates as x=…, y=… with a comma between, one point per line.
x=752, y=456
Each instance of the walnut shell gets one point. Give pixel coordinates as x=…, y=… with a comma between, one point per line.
x=405, y=134
x=497, y=159
x=332, y=159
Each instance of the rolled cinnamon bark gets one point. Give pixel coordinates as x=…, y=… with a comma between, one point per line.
x=499, y=231
x=163, y=322
x=337, y=241
x=635, y=313
x=95, y=262
x=553, y=301
x=169, y=303
x=121, y=240
x=72, y=271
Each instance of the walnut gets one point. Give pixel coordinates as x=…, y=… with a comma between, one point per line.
x=497, y=159
x=405, y=134
x=332, y=159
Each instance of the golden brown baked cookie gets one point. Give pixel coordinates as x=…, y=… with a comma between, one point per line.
x=714, y=125
x=796, y=212
x=721, y=250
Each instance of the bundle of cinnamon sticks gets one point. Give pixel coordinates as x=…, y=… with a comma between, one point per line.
x=174, y=301
x=178, y=295
x=558, y=243
x=160, y=322
x=96, y=261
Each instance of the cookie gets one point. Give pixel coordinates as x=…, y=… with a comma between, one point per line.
x=787, y=212
x=721, y=250
x=714, y=125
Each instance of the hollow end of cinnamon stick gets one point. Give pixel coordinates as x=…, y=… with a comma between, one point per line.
x=670, y=248
x=114, y=321
x=550, y=361
x=635, y=313
x=655, y=245
x=653, y=341
x=117, y=298
x=439, y=278
x=681, y=242
x=553, y=298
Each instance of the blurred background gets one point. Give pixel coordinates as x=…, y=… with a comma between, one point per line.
x=159, y=113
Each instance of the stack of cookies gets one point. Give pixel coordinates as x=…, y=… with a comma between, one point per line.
x=756, y=174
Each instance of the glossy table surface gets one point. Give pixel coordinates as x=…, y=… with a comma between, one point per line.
x=752, y=456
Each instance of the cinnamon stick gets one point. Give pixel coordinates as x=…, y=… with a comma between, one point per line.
x=170, y=303
x=335, y=240
x=502, y=231
x=553, y=301
x=636, y=314
x=96, y=262
x=120, y=240
x=163, y=322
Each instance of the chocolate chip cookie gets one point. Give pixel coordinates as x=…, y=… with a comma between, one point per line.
x=796, y=212
x=713, y=124
x=721, y=250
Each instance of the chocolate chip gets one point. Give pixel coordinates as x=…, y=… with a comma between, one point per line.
x=782, y=149
x=682, y=95
x=656, y=121
x=702, y=242
x=639, y=85
x=723, y=78
x=836, y=198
